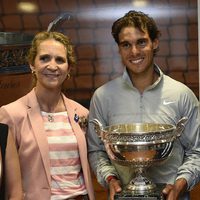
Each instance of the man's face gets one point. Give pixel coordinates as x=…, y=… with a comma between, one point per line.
x=136, y=50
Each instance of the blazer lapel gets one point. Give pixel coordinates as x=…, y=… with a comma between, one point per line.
x=71, y=109
x=38, y=130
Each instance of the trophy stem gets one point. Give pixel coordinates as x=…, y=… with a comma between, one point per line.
x=140, y=184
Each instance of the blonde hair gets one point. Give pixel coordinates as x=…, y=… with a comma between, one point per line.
x=42, y=36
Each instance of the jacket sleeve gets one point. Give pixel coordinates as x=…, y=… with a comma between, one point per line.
x=6, y=118
x=98, y=158
x=190, y=139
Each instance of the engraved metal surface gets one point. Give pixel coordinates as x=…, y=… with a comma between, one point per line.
x=139, y=145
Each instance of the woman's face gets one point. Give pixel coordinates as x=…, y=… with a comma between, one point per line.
x=51, y=64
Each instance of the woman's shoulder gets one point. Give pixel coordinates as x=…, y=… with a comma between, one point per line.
x=75, y=105
x=17, y=106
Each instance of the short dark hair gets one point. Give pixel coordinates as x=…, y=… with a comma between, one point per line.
x=138, y=20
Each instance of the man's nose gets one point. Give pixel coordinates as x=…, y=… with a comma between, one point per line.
x=134, y=49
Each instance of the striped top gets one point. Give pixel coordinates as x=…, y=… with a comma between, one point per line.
x=66, y=176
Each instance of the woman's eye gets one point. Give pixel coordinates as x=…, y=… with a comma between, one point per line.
x=44, y=58
x=60, y=60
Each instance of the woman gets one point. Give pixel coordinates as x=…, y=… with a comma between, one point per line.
x=46, y=126
x=10, y=176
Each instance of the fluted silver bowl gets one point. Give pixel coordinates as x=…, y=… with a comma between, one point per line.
x=139, y=145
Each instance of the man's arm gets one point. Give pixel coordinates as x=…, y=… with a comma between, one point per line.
x=101, y=165
x=188, y=174
x=99, y=160
x=190, y=139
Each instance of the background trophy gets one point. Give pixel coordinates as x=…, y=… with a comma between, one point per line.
x=139, y=145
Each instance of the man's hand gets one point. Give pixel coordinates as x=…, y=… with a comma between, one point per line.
x=114, y=186
x=173, y=192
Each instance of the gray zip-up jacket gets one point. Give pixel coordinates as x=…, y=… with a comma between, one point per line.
x=166, y=101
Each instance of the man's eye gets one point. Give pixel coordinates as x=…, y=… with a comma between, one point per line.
x=125, y=45
x=142, y=43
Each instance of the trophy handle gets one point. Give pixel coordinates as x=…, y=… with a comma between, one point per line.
x=180, y=126
x=98, y=127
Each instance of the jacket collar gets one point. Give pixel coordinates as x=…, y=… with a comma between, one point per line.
x=127, y=80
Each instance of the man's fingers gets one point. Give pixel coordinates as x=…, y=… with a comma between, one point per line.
x=167, y=189
x=114, y=187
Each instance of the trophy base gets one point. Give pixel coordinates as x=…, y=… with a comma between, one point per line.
x=130, y=195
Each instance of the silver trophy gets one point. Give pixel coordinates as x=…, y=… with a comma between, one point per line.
x=139, y=145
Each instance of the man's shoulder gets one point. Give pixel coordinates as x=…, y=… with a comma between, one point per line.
x=110, y=85
x=175, y=84
x=177, y=88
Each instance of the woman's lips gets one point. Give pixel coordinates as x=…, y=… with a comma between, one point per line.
x=52, y=75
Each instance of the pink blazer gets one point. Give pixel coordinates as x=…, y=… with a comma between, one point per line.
x=26, y=124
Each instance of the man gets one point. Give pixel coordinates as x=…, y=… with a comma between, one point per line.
x=144, y=94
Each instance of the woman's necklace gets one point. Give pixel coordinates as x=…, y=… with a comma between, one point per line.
x=50, y=114
x=50, y=117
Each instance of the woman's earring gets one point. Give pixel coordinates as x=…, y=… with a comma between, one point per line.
x=68, y=76
x=34, y=78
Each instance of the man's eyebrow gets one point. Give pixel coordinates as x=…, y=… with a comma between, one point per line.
x=125, y=41
x=142, y=39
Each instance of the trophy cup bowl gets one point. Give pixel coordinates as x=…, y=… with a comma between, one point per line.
x=139, y=145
